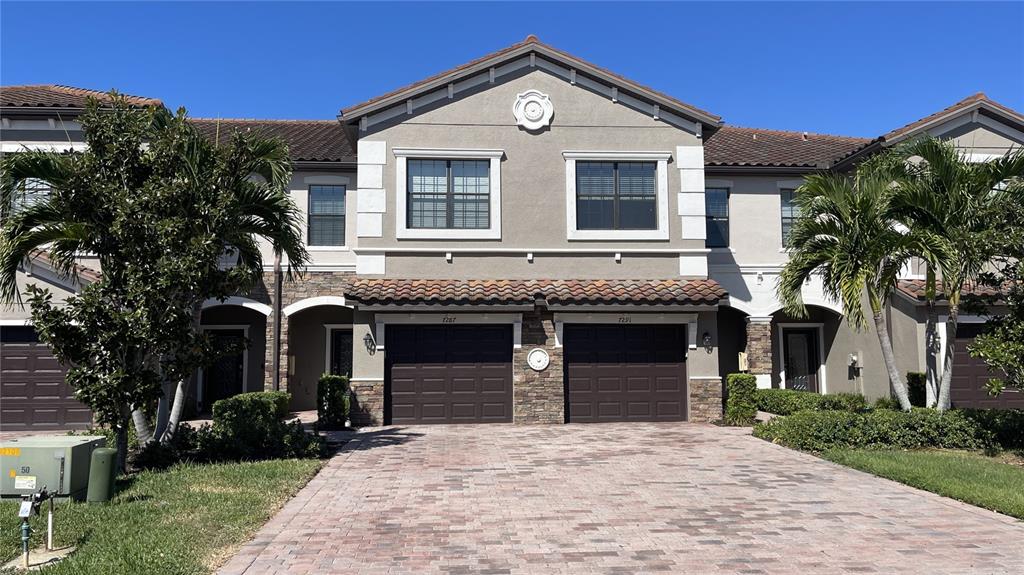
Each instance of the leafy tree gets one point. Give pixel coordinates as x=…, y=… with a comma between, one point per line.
x=847, y=233
x=944, y=194
x=160, y=207
x=1001, y=344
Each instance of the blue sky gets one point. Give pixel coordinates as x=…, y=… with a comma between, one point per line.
x=846, y=68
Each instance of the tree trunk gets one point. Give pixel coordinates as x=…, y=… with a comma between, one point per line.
x=898, y=385
x=181, y=391
x=143, y=429
x=943, y=402
x=121, y=442
x=931, y=338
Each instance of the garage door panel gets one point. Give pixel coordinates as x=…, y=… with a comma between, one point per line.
x=458, y=374
x=33, y=392
x=625, y=372
x=967, y=386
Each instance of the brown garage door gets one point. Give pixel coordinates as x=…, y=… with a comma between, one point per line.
x=967, y=388
x=625, y=373
x=448, y=374
x=33, y=395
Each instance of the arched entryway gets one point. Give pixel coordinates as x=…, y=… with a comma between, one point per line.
x=232, y=323
x=319, y=340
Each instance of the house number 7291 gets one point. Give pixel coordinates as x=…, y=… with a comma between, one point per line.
x=448, y=319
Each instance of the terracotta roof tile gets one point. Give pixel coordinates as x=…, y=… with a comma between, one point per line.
x=915, y=288
x=308, y=140
x=966, y=102
x=57, y=96
x=733, y=146
x=84, y=273
x=443, y=291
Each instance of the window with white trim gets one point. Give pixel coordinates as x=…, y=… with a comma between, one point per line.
x=716, y=210
x=448, y=194
x=326, y=215
x=790, y=213
x=616, y=196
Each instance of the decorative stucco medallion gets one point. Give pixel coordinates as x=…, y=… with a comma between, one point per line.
x=538, y=359
x=533, y=110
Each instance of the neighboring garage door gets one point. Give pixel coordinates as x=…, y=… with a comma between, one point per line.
x=33, y=395
x=625, y=373
x=967, y=388
x=448, y=374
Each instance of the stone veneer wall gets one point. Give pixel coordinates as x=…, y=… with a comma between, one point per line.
x=759, y=347
x=538, y=396
x=368, y=407
x=705, y=399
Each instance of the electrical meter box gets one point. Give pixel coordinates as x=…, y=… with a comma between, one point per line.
x=58, y=462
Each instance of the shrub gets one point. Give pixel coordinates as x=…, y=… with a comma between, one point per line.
x=915, y=388
x=741, y=406
x=332, y=401
x=252, y=426
x=887, y=403
x=822, y=430
x=1007, y=425
x=788, y=401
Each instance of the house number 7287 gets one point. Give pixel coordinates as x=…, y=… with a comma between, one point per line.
x=625, y=319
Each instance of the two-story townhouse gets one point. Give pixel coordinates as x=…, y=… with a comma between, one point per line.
x=531, y=238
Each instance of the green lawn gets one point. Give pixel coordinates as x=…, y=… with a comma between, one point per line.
x=187, y=519
x=990, y=482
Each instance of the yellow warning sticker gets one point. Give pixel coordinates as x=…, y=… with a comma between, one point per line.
x=10, y=451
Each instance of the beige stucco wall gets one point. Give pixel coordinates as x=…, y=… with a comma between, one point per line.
x=307, y=346
x=755, y=218
x=21, y=311
x=547, y=266
x=982, y=139
x=533, y=187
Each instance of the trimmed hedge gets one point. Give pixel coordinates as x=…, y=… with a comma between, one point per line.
x=788, y=401
x=252, y=426
x=741, y=405
x=1007, y=425
x=332, y=401
x=915, y=388
x=822, y=430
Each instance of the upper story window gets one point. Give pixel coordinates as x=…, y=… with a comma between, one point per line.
x=790, y=213
x=29, y=193
x=448, y=194
x=326, y=215
x=616, y=196
x=716, y=209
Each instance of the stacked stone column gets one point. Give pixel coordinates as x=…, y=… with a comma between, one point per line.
x=759, y=350
x=538, y=396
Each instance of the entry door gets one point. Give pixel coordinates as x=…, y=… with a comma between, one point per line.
x=802, y=361
x=226, y=376
x=341, y=352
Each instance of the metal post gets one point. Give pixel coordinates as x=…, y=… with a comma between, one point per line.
x=49, y=527
x=26, y=533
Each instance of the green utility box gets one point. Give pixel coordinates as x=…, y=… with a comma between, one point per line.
x=30, y=463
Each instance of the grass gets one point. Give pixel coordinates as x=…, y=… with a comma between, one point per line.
x=184, y=520
x=995, y=483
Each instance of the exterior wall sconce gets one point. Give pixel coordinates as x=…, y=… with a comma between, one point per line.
x=706, y=340
x=371, y=346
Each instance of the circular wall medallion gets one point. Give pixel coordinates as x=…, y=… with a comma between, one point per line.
x=533, y=110
x=538, y=359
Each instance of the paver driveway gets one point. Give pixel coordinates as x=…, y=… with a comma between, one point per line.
x=614, y=498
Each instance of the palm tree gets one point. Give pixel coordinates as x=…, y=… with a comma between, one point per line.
x=943, y=193
x=191, y=201
x=848, y=235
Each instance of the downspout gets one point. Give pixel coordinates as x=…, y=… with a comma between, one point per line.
x=276, y=363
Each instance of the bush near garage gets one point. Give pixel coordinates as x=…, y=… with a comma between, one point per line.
x=252, y=426
x=741, y=405
x=1007, y=425
x=887, y=403
x=915, y=388
x=919, y=428
x=332, y=401
x=788, y=401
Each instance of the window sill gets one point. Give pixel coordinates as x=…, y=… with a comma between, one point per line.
x=327, y=248
x=722, y=250
x=615, y=235
x=446, y=234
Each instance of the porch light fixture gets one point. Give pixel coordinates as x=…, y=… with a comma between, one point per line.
x=706, y=340
x=371, y=346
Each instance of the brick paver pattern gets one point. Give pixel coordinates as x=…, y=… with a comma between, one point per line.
x=614, y=498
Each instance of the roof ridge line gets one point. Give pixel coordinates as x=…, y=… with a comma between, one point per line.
x=794, y=132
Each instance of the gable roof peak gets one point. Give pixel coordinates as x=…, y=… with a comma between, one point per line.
x=532, y=39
